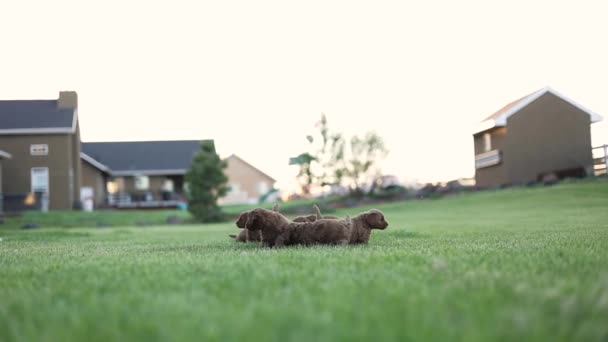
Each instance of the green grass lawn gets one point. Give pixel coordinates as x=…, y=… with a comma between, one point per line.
x=517, y=264
x=134, y=217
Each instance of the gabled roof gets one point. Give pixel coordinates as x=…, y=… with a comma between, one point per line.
x=253, y=167
x=129, y=158
x=499, y=119
x=36, y=117
x=99, y=166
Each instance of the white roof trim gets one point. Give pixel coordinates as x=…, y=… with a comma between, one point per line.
x=501, y=120
x=74, y=119
x=5, y=155
x=94, y=162
x=50, y=130
x=149, y=172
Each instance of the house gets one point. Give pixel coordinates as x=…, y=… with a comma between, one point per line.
x=247, y=183
x=137, y=173
x=49, y=165
x=43, y=138
x=539, y=136
x=49, y=161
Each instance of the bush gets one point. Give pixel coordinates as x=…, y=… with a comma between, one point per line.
x=206, y=184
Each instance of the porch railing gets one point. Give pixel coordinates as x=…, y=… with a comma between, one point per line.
x=486, y=159
x=144, y=200
x=600, y=160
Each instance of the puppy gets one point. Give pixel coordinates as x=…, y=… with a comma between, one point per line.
x=245, y=235
x=363, y=224
x=313, y=218
x=278, y=231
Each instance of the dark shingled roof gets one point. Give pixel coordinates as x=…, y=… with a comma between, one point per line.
x=162, y=157
x=34, y=114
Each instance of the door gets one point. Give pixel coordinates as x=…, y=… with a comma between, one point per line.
x=40, y=180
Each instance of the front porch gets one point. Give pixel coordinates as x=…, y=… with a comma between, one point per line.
x=137, y=192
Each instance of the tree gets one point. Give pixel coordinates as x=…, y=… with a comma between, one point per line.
x=317, y=166
x=206, y=184
x=330, y=155
x=331, y=160
x=363, y=165
x=305, y=175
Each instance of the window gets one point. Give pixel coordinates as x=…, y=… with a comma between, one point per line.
x=262, y=188
x=40, y=179
x=487, y=142
x=235, y=188
x=142, y=182
x=111, y=187
x=168, y=185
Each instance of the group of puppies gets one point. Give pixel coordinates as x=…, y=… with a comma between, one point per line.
x=273, y=229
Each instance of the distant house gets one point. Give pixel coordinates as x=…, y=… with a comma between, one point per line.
x=43, y=138
x=49, y=161
x=247, y=183
x=138, y=173
x=543, y=134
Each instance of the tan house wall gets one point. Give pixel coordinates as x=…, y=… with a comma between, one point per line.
x=496, y=174
x=95, y=179
x=1, y=199
x=547, y=135
x=491, y=176
x=75, y=161
x=245, y=182
x=17, y=170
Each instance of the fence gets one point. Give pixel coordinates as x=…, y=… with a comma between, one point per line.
x=144, y=200
x=600, y=160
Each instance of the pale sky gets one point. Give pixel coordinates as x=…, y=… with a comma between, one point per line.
x=256, y=75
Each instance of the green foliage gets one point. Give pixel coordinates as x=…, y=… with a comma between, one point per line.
x=207, y=183
x=305, y=174
x=264, y=197
x=366, y=153
x=513, y=265
x=333, y=161
x=97, y=218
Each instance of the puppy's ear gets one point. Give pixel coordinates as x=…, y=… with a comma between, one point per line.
x=372, y=219
x=251, y=218
x=276, y=207
x=317, y=211
x=240, y=222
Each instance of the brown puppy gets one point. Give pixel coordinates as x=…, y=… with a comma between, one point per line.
x=278, y=231
x=313, y=218
x=245, y=235
x=363, y=224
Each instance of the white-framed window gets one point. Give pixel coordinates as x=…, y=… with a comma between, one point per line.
x=142, y=182
x=168, y=185
x=263, y=188
x=487, y=142
x=111, y=187
x=40, y=179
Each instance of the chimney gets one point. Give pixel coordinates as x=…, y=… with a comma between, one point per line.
x=67, y=99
